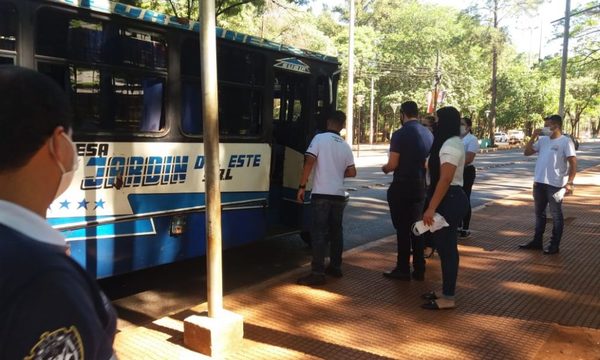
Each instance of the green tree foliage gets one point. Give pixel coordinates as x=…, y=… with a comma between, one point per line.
x=189, y=8
x=397, y=43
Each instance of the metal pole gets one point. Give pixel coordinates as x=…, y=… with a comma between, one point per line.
x=371, y=112
x=436, y=80
x=350, y=97
x=565, y=55
x=358, y=135
x=210, y=114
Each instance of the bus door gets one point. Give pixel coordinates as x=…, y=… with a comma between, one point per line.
x=291, y=133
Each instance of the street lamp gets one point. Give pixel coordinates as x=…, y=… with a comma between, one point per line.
x=360, y=99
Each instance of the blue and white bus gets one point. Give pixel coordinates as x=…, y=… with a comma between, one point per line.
x=133, y=75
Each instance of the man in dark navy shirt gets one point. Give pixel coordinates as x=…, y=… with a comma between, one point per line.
x=409, y=148
x=50, y=308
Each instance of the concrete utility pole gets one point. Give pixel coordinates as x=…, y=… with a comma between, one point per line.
x=565, y=56
x=350, y=97
x=436, y=81
x=371, y=111
x=221, y=331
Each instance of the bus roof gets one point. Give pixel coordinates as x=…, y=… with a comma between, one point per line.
x=132, y=12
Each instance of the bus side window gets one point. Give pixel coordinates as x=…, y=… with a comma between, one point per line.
x=8, y=33
x=191, y=92
x=103, y=68
x=323, y=102
x=241, y=87
x=288, y=101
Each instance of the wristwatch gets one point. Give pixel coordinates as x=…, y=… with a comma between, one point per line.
x=302, y=186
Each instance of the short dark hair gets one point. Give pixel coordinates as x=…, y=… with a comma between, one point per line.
x=338, y=117
x=557, y=119
x=468, y=121
x=409, y=108
x=32, y=105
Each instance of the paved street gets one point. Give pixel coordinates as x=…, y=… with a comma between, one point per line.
x=499, y=174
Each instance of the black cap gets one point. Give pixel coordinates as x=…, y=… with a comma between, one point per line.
x=554, y=117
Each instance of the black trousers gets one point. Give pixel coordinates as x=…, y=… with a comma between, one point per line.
x=406, y=201
x=468, y=180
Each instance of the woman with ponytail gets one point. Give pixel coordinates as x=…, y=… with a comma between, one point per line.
x=446, y=197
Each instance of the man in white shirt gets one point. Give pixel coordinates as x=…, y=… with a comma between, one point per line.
x=332, y=159
x=50, y=307
x=555, y=169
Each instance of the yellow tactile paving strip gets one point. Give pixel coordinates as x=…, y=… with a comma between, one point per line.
x=508, y=298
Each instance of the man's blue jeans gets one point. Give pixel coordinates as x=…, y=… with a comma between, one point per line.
x=327, y=217
x=542, y=196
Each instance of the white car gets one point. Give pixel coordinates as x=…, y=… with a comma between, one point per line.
x=515, y=136
x=500, y=137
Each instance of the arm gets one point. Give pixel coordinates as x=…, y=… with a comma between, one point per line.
x=350, y=171
x=392, y=164
x=309, y=163
x=572, y=172
x=469, y=157
x=529, y=150
x=447, y=171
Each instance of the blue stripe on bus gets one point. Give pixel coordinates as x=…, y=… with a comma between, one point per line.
x=145, y=203
x=112, y=256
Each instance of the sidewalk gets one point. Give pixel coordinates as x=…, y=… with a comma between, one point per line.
x=512, y=304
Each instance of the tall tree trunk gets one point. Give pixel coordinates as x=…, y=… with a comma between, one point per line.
x=494, y=87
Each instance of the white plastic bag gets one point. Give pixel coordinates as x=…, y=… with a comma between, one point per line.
x=439, y=222
x=559, y=195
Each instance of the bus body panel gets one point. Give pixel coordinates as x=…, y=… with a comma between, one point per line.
x=137, y=198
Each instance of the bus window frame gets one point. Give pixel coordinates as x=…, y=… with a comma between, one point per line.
x=88, y=16
x=10, y=54
x=263, y=89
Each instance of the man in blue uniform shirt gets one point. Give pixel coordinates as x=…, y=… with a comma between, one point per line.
x=409, y=148
x=50, y=307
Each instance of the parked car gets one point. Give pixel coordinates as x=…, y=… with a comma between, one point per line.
x=515, y=136
x=500, y=137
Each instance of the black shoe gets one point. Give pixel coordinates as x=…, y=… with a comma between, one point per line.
x=398, y=275
x=429, y=296
x=333, y=272
x=312, y=280
x=463, y=234
x=418, y=275
x=433, y=305
x=531, y=246
x=551, y=250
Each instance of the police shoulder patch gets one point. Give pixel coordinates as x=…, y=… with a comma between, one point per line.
x=64, y=343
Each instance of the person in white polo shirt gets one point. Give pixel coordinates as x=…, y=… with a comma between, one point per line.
x=555, y=170
x=332, y=160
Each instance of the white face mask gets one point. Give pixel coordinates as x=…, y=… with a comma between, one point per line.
x=463, y=130
x=546, y=131
x=67, y=176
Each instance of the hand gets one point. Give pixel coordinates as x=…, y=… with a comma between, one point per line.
x=570, y=188
x=428, y=216
x=384, y=169
x=300, y=196
x=536, y=133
